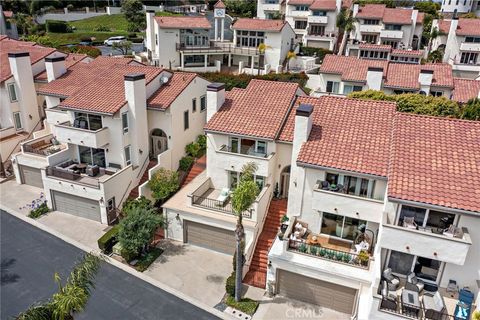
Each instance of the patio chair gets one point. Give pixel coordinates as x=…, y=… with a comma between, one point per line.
x=464, y=305
x=392, y=281
x=409, y=222
x=389, y=298
x=413, y=283
x=325, y=185
x=434, y=306
x=224, y=195
x=452, y=286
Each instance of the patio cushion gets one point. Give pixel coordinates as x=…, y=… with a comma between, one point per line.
x=433, y=302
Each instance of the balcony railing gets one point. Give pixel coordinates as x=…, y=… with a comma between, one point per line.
x=361, y=260
x=216, y=47
x=42, y=146
x=217, y=205
x=245, y=151
x=341, y=189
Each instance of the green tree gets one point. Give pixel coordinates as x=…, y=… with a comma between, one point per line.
x=123, y=46
x=141, y=202
x=471, y=110
x=163, y=184
x=243, y=8
x=345, y=21
x=24, y=23
x=137, y=229
x=133, y=11
x=42, y=40
x=469, y=15
x=435, y=56
x=242, y=199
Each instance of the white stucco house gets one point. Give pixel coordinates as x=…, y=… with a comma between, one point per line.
x=459, y=39
x=271, y=9
x=459, y=6
x=107, y=122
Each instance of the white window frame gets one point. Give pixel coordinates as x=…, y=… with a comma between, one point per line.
x=12, y=86
x=128, y=155
x=203, y=106
x=125, y=128
x=19, y=114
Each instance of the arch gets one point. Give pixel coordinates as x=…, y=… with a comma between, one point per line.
x=158, y=142
x=284, y=182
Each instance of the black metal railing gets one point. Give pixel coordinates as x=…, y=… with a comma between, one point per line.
x=339, y=188
x=71, y=176
x=217, y=205
x=213, y=47
x=244, y=150
x=360, y=260
x=412, y=311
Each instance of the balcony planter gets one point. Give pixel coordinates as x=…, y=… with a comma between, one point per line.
x=285, y=223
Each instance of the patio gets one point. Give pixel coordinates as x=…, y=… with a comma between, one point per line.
x=43, y=146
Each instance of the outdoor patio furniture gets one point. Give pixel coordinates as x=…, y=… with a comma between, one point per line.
x=410, y=303
x=413, y=283
x=409, y=222
x=92, y=171
x=325, y=185
x=453, y=231
x=223, y=196
x=389, y=298
x=392, y=281
x=464, y=305
x=434, y=306
x=452, y=286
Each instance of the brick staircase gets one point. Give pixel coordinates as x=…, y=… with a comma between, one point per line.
x=257, y=274
x=197, y=168
x=134, y=193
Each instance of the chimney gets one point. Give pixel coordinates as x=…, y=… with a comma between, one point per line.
x=414, y=24
x=21, y=69
x=355, y=10
x=136, y=96
x=338, y=5
x=55, y=67
x=374, y=78
x=451, y=45
x=425, y=79
x=150, y=30
x=215, y=98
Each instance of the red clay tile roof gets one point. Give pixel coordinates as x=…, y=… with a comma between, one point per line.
x=259, y=24
x=420, y=17
x=8, y=14
x=442, y=74
x=70, y=60
x=465, y=89
x=444, y=26
x=468, y=27
x=220, y=5
x=351, y=68
x=300, y=2
x=371, y=46
x=80, y=74
x=347, y=134
x=3, y=37
x=323, y=5
x=374, y=11
x=258, y=110
x=183, y=22
x=37, y=53
x=347, y=4
x=388, y=15
x=413, y=53
x=106, y=92
x=164, y=97
x=435, y=161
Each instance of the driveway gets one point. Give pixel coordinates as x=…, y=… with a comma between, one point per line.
x=195, y=271
x=30, y=257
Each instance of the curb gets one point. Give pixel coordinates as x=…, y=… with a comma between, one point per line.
x=118, y=264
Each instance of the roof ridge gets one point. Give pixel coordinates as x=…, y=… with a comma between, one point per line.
x=439, y=118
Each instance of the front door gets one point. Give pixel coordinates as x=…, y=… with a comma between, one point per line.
x=159, y=145
x=285, y=184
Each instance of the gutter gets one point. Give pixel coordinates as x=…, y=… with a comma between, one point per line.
x=318, y=167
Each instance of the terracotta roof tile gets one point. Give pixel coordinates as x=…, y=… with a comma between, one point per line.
x=413, y=53
x=70, y=60
x=372, y=46
x=442, y=74
x=420, y=17
x=351, y=68
x=444, y=26
x=323, y=5
x=300, y=2
x=347, y=134
x=468, y=27
x=106, y=92
x=258, y=110
x=436, y=161
x=374, y=11
x=465, y=89
x=164, y=97
x=220, y=5
x=183, y=22
x=388, y=15
x=3, y=37
x=259, y=24
x=347, y=4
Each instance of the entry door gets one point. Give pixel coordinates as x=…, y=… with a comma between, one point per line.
x=159, y=145
x=285, y=184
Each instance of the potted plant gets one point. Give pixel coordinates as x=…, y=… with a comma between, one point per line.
x=363, y=257
x=276, y=192
x=302, y=248
x=284, y=222
x=280, y=235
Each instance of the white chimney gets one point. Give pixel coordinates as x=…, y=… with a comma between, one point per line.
x=355, y=10
x=215, y=98
x=414, y=24
x=136, y=96
x=338, y=5
x=451, y=45
x=150, y=30
x=374, y=78
x=55, y=67
x=21, y=69
x=425, y=79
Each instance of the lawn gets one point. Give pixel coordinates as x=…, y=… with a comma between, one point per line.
x=76, y=37
x=114, y=22
x=246, y=305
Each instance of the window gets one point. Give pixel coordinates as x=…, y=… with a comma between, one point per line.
x=194, y=60
x=300, y=24
x=349, y=88
x=301, y=8
x=261, y=147
x=436, y=93
x=234, y=177
x=424, y=268
x=393, y=44
x=250, y=39
x=125, y=121
x=371, y=21
x=472, y=39
x=332, y=86
x=457, y=2
x=186, y=123
x=194, y=105
x=17, y=119
x=203, y=103
x=234, y=144
x=341, y=226
x=12, y=92
x=316, y=29
x=194, y=38
x=435, y=221
x=257, y=148
x=393, y=27
x=111, y=204
x=87, y=121
x=469, y=58
x=356, y=186
x=319, y=13
x=401, y=263
x=92, y=156
x=128, y=159
x=369, y=38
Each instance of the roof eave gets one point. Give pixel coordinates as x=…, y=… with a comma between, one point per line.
x=432, y=206
x=326, y=168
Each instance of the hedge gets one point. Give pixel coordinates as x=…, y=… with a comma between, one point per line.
x=109, y=239
x=56, y=26
x=319, y=52
x=230, y=284
x=242, y=80
x=185, y=163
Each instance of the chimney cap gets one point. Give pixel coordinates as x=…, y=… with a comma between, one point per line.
x=54, y=59
x=426, y=71
x=134, y=76
x=375, y=69
x=216, y=86
x=304, y=110
x=18, y=54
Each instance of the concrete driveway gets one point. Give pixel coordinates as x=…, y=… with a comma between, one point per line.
x=195, y=271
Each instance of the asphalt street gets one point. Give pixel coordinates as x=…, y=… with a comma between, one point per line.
x=30, y=257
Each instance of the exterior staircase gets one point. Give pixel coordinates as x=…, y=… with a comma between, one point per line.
x=196, y=169
x=134, y=193
x=257, y=274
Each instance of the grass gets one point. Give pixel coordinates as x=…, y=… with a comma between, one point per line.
x=115, y=22
x=145, y=261
x=76, y=37
x=246, y=305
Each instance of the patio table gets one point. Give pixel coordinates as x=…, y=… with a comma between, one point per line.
x=410, y=302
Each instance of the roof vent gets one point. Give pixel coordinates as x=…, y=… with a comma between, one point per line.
x=163, y=80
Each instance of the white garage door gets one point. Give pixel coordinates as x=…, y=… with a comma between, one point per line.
x=314, y=291
x=78, y=206
x=31, y=176
x=209, y=237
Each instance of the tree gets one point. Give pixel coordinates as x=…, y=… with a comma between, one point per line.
x=471, y=110
x=345, y=21
x=133, y=11
x=122, y=46
x=24, y=23
x=262, y=47
x=435, y=56
x=163, y=184
x=290, y=55
x=469, y=15
x=137, y=229
x=242, y=199
x=244, y=8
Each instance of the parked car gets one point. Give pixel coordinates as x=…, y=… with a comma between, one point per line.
x=110, y=41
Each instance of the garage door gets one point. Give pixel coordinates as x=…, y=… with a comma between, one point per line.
x=314, y=291
x=210, y=237
x=78, y=206
x=31, y=176
x=319, y=44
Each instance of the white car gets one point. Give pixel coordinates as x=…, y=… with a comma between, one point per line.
x=110, y=41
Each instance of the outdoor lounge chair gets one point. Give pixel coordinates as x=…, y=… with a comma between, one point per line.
x=413, y=283
x=392, y=281
x=434, y=306
x=409, y=222
x=389, y=298
x=464, y=305
x=224, y=195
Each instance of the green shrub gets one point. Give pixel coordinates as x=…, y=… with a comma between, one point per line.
x=313, y=250
x=163, y=184
x=185, y=163
x=302, y=248
x=57, y=26
x=246, y=305
x=471, y=110
x=319, y=52
x=102, y=28
x=108, y=240
x=38, y=212
x=193, y=149
x=129, y=255
x=146, y=260
x=141, y=202
x=230, y=284
x=202, y=141
x=88, y=50
x=132, y=35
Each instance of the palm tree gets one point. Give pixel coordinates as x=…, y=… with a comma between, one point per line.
x=290, y=55
x=242, y=199
x=262, y=47
x=346, y=24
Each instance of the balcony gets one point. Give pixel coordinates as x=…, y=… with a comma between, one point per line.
x=248, y=151
x=67, y=133
x=317, y=19
x=217, y=47
x=43, y=146
x=271, y=6
x=73, y=172
x=300, y=14
x=468, y=46
x=427, y=242
x=56, y=116
x=319, y=37
x=391, y=34
x=367, y=28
